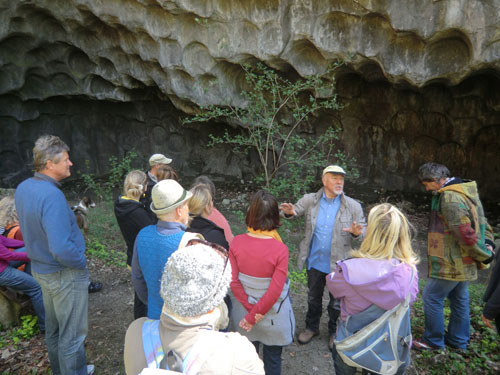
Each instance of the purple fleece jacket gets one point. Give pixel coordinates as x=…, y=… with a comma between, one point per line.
x=361, y=282
x=7, y=255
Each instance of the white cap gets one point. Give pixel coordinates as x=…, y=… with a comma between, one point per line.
x=334, y=169
x=159, y=159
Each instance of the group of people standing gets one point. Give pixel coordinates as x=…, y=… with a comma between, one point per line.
x=202, y=297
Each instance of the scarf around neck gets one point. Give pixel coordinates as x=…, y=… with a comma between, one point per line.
x=270, y=233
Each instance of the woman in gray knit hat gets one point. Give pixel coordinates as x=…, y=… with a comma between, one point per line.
x=194, y=283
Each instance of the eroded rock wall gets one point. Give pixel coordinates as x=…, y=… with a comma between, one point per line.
x=421, y=83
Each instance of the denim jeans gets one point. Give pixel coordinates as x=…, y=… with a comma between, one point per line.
x=19, y=263
x=25, y=283
x=65, y=297
x=316, y=281
x=436, y=290
x=271, y=358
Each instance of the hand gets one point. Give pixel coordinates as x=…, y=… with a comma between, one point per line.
x=487, y=322
x=355, y=229
x=288, y=209
x=258, y=318
x=245, y=325
x=490, y=248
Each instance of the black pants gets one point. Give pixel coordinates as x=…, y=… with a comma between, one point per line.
x=316, y=281
x=140, y=309
x=271, y=358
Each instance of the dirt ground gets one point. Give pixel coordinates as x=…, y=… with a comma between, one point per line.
x=111, y=311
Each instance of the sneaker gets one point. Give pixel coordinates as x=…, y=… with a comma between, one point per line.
x=90, y=369
x=306, y=336
x=421, y=346
x=94, y=286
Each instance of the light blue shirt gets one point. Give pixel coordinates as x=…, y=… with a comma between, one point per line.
x=321, y=243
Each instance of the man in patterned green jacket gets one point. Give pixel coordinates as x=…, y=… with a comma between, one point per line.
x=459, y=242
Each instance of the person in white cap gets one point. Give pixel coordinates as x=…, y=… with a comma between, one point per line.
x=194, y=283
x=155, y=243
x=332, y=221
x=155, y=162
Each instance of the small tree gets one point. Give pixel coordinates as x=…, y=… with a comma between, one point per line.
x=118, y=170
x=270, y=123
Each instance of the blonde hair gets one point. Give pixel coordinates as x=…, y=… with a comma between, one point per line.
x=8, y=213
x=387, y=236
x=166, y=172
x=200, y=200
x=135, y=184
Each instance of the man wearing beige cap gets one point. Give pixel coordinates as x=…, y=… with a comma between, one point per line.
x=332, y=221
x=155, y=161
x=155, y=243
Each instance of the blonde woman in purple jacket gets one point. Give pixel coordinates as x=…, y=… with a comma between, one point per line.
x=379, y=273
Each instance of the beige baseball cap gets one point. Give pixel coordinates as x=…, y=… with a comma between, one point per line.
x=334, y=169
x=159, y=159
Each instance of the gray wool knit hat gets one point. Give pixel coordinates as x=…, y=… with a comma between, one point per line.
x=194, y=280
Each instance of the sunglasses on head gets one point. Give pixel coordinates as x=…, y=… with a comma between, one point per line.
x=218, y=248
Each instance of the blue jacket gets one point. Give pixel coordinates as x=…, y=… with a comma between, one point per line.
x=51, y=234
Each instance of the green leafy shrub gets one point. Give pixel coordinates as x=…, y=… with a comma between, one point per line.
x=298, y=280
x=270, y=124
x=28, y=329
x=108, y=256
x=118, y=170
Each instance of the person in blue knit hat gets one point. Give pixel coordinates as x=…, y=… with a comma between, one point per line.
x=156, y=243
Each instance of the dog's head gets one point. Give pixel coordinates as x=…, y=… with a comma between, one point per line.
x=87, y=202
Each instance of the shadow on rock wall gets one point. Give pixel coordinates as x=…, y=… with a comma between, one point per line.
x=96, y=130
x=389, y=129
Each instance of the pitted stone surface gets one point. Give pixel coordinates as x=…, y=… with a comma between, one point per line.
x=109, y=49
x=421, y=80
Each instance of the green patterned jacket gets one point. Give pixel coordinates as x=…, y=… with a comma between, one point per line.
x=458, y=230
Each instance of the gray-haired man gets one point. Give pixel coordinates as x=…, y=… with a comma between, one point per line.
x=332, y=221
x=56, y=248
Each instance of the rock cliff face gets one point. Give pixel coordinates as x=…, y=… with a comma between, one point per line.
x=422, y=80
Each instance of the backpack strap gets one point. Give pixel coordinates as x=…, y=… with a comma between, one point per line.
x=198, y=354
x=151, y=343
x=11, y=231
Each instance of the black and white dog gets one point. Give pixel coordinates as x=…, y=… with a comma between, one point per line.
x=81, y=212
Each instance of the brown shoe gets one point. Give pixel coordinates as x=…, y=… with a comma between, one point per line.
x=330, y=342
x=306, y=336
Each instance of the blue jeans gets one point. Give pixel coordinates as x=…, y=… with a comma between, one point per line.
x=19, y=263
x=25, y=283
x=271, y=358
x=65, y=297
x=434, y=294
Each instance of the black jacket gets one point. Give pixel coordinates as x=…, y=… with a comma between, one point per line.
x=209, y=230
x=131, y=217
x=146, y=199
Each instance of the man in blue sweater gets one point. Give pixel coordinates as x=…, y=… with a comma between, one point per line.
x=56, y=248
x=155, y=243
